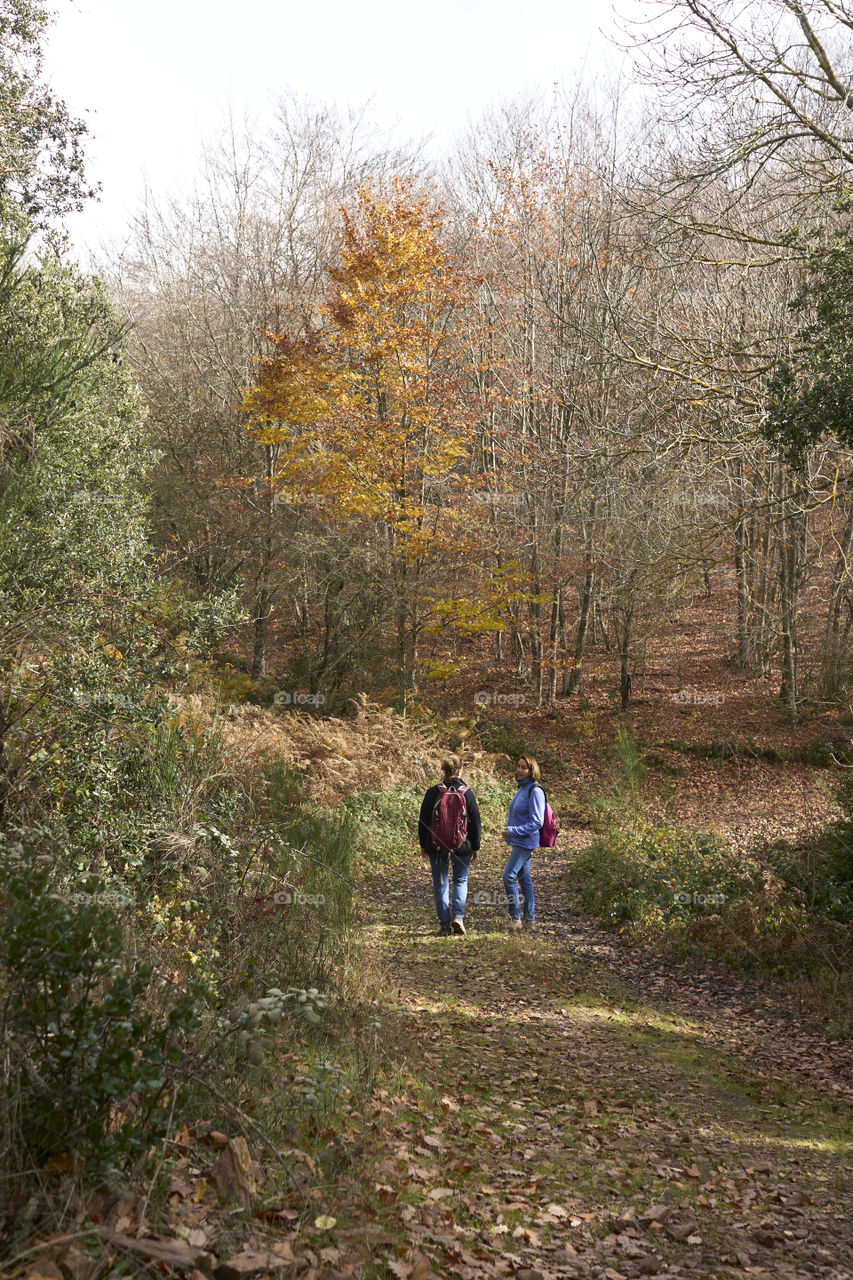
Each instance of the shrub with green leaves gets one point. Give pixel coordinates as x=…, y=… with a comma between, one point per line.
x=93, y=1046
x=499, y=731
x=385, y=823
x=650, y=871
x=694, y=894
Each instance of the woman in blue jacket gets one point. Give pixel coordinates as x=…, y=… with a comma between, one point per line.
x=521, y=833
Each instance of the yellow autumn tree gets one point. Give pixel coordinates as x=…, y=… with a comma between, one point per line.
x=373, y=416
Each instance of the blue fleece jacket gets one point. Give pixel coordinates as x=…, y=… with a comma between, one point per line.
x=526, y=815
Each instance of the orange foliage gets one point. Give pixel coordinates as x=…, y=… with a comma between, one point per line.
x=372, y=414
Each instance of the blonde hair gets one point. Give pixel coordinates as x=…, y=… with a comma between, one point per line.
x=533, y=766
x=451, y=766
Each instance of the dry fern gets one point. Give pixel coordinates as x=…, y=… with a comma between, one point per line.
x=373, y=746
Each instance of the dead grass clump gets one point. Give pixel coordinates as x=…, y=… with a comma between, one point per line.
x=373, y=746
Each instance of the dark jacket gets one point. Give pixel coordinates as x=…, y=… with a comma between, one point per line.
x=474, y=825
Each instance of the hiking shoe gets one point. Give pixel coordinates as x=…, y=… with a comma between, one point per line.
x=445, y=931
x=513, y=925
x=529, y=926
x=458, y=925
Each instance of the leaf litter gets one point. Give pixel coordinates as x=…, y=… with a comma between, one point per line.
x=553, y=1106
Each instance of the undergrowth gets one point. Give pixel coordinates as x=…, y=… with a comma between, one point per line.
x=822, y=872
x=695, y=894
x=386, y=822
x=172, y=922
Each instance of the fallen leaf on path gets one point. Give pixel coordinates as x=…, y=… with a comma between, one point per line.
x=174, y=1252
x=249, y=1264
x=234, y=1173
x=44, y=1270
x=402, y=1270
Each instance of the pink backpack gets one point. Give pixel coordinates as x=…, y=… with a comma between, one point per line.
x=449, y=824
x=550, y=830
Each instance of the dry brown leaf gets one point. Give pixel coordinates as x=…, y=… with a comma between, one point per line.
x=44, y=1270
x=402, y=1270
x=234, y=1173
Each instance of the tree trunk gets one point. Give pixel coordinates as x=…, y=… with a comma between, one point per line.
x=572, y=677
x=262, y=587
x=5, y=726
x=791, y=547
x=536, y=659
x=402, y=650
x=517, y=641
x=833, y=647
x=624, y=636
x=554, y=644
x=624, y=680
x=742, y=595
x=260, y=631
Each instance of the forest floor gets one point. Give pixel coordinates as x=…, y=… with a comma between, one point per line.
x=546, y=1106
x=553, y=1105
x=559, y=1104
x=722, y=750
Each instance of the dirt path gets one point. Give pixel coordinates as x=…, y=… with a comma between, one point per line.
x=548, y=1106
x=557, y=1106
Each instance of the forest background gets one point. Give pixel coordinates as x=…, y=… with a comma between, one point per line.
x=348, y=458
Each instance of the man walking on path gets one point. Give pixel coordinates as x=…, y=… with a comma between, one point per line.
x=450, y=833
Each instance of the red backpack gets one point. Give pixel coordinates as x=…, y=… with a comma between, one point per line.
x=449, y=823
x=550, y=830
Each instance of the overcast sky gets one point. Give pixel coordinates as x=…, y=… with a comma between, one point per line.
x=153, y=79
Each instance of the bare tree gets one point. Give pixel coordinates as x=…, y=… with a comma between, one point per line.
x=751, y=85
x=203, y=279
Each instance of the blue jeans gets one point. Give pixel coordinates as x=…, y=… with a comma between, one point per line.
x=517, y=876
x=440, y=863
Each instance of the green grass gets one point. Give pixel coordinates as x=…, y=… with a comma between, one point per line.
x=386, y=822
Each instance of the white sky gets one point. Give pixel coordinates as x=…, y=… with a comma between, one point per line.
x=153, y=78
